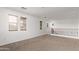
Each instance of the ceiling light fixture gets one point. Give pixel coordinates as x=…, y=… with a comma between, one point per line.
x=44, y=17
x=23, y=8
x=42, y=7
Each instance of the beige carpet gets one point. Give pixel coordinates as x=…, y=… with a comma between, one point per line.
x=45, y=43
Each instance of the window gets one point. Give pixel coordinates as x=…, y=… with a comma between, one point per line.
x=23, y=23
x=47, y=25
x=40, y=25
x=13, y=23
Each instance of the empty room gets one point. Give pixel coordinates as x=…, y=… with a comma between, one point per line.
x=39, y=29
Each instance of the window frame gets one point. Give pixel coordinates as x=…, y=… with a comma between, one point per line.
x=9, y=23
x=23, y=24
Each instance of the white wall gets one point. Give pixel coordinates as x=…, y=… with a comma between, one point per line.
x=78, y=23
x=67, y=27
x=33, y=27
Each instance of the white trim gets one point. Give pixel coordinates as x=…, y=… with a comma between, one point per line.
x=65, y=36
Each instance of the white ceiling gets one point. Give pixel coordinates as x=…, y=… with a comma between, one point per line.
x=51, y=12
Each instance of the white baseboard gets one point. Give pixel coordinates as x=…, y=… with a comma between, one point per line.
x=65, y=36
